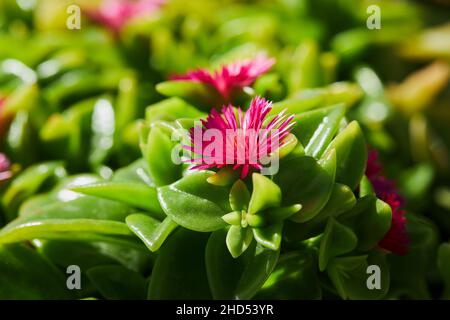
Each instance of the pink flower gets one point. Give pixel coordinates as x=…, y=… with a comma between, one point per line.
x=396, y=240
x=5, y=173
x=237, y=139
x=232, y=76
x=116, y=13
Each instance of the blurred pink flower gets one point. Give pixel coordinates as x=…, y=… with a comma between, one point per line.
x=240, y=139
x=396, y=239
x=5, y=172
x=116, y=13
x=232, y=76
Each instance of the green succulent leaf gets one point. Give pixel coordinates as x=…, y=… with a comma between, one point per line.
x=306, y=71
x=196, y=93
x=266, y=194
x=325, y=132
x=239, y=196
x=157, y=151
x=180, y=271
x=373, y=224
x=39, y=279
x=351, y=152
x=29, y=182
x=234, y=218
x=118, y=283
x=151, y=231
x=336, y=240
x=194, y=203
x=316, y=128
x=170, y=110
x=294, y=277
x=270, y=236
x=237, y=278
x=311, y=186
x=136, y=172
x=341, y=200
x=410, y=271
x=443, y=263
x=238, y=240
x=353, y=278
x=366, y=188
x=87, y=255
x=67, y=215
x=137, y=195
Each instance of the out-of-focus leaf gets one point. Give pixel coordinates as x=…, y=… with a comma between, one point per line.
x=118, y=283
x=180, y=271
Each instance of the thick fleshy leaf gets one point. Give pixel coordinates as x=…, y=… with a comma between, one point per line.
x=239, y=196
x=197, y=93
x=180, y=271
x=103, y=127
x=157, y=151
x=310, y=122
x=71, y=217
x=410, y=272
x=238, y=240
x=194, y=203
x=310, y=186
x=118, y=283
x=351, y=152
x=337, y=239
x=137, y=195
x=325, y=132
x=351, y=276
x=171, y=110
x=366, y=188
x=270, y=236
x=136, y=172
x=151, y=231
x=375, y=108
x=21, y=139
x=39, y=279
x=373, y=224
x=29, y=182
x=443, y=263
x=308, y=99
x=294, y=277
x=239, y=278
x=303, y=101
x=87, y=255
x=328, y=162
x=266, y=194
x=341, y=200
x=305, y=71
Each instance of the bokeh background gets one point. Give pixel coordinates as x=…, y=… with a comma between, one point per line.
x=74, y=99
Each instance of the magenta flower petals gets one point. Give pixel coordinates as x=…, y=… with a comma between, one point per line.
x=237, y=139
x=5, y=172
x=396, y=240
x=232, y=76
x=114, y=14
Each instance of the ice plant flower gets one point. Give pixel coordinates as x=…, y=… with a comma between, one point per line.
x=396, y=239
x=241, y=140
x=5, y=172
x=116, y=13
x=228, y=78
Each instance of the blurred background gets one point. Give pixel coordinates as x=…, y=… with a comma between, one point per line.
x=77, y=96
